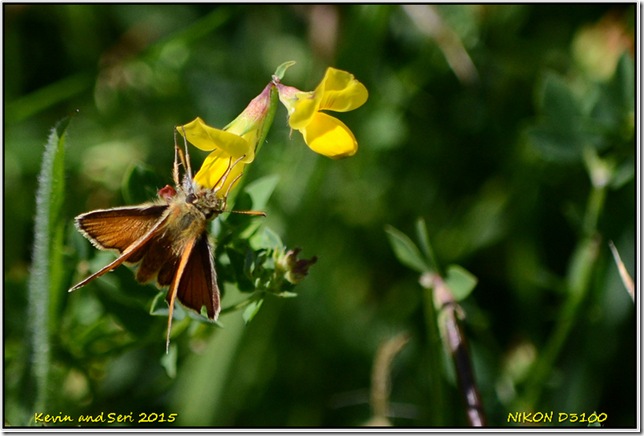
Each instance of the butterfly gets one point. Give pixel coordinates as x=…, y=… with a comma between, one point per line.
x=166, y=241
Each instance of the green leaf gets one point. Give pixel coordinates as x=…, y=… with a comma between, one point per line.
x=405, y=250
x=126, y=311
x=251, y=310
x=557, y=101
x=563, y=130
x=425, y=245
x=624, y=83
x=460, y=281
x=623, y=174
x=614, y=108
x=281, y=70
x=267, y=239
x=140, y=184
x=159, y=307
x=46, y=270
x=58, y=223
x=238, y=266
x=260, y=190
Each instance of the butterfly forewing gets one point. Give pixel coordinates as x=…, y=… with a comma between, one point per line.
x=127, y=248
x=120, y=227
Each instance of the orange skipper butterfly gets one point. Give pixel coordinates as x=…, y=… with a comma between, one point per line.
x=166, y=241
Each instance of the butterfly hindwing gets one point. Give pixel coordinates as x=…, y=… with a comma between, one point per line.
x=197, y=286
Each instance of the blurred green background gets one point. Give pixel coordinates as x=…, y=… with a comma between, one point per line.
x=475, y=122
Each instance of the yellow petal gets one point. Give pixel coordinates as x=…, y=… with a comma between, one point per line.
x=329, y=136
x=219, y=171
x=301, y=111
x=208, y=138
x=339, y=91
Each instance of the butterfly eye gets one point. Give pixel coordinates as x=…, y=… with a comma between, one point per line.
x=191, y=198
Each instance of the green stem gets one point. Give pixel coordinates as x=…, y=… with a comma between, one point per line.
x=595, y=205
x=437, y=390
x=578, y=280
x=238, y=306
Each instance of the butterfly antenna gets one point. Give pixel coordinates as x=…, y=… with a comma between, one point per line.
x=175, y=167
x=242, y=212
x=236, y=178
x=229, y=168
x=187, y=157
x=222, y=179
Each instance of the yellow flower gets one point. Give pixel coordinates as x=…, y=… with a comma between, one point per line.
x=228, y=150
x=232, y=147
x=339, y=91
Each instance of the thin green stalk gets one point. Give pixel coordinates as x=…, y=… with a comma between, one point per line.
x=242, y=304
x=437, y=388
x=581, y=269
x=595, y=205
